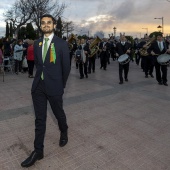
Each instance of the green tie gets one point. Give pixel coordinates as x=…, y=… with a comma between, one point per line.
x=44, y=54
x=45, y=48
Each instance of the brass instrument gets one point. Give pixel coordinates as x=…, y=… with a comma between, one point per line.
x=94, y=46
x=143, y=51
x=71, y=40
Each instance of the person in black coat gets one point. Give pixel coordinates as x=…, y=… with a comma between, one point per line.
x=147, y=62
x=84, y=49
x=52, y=60
x=123, y=47
x=157, y=48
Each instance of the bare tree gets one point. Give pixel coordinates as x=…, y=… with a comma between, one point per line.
x=19, y=14
x=68, y=27
x=42, y=7
x=23, y=11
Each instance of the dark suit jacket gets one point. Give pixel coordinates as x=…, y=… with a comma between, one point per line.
x=120, y=49
x=55, y=75
x=155, y=48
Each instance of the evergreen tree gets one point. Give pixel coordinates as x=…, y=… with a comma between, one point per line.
x=59, y=27
x=11, y=30
x=22, y=33
x=30, y=32
x=7, y=30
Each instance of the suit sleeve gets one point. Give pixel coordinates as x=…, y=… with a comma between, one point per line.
x=150, y=48
x=65, y=63
x=35, y=55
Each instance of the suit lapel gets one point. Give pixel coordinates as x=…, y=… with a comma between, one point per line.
x=40, y=45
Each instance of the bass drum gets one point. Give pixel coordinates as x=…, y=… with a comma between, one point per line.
x=163, y=59
x=124, y=59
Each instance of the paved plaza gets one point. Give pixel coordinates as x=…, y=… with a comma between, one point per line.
x=111, y=126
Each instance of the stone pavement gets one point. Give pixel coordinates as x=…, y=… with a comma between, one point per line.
x=111, y=126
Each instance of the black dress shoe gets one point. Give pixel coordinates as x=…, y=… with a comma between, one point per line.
x=126, y=79
x=63, y=139
x=121, y=82
x=86, y=76
x=165, y=84
x=32, y=159
x=81, y=77
x=146, y=76
x=160, y=83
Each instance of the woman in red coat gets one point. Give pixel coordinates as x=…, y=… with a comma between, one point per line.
x=30, y=58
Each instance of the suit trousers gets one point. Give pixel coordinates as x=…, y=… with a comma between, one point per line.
x=159, y=68
x=124, y=68
x=83, y=69
x=149, y=65
x=91, y=65
x=40, y=98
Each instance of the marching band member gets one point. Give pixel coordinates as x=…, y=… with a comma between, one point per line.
x=123, y=47
x=85, y=51
x=157, y=48
x=147, y=62
x=91, y=59
x=104, y=47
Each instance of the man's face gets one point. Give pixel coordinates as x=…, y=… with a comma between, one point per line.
x=123, y=38
x=159, y=38
x=47, y=25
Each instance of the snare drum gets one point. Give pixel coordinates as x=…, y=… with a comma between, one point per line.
x=163, y=59
x=124, y=59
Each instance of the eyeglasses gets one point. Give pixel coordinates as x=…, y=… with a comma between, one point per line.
x=46, y=23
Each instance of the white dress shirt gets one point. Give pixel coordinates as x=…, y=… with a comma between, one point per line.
x=48, y=42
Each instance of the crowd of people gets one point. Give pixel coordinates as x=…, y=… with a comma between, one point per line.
x=144, y=52
x=18, y=53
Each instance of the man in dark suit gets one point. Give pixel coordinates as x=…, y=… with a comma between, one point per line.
x=157, y=48
x=147, y=63
x=123, y=47
x=53, y=66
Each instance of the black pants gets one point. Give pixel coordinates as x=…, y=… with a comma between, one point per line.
x=40, y=98
x=103, y=59
x=137, y=58
x=143, y=63
x=30, y=67
x=124, y=68
x=161, y=77
x=91, y=65
x=148, y=65
x=83, y=69
x=18, y=66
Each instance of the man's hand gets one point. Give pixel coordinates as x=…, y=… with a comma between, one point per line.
x=153, y=53
x=128, y=51
x=168, y=50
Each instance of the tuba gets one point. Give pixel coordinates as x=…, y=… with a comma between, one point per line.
x=143, y=51
x=71, y=40
x=94, y=46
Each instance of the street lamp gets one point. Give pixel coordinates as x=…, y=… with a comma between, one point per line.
x=162, y=23
x=146, y=30
x=114, y=29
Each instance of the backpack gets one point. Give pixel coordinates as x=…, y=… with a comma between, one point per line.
x=78, y=56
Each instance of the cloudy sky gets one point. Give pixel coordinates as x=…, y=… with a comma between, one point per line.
x=128, y=16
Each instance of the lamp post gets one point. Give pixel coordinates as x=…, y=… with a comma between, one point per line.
x=114, y=29
x=162, y=23
x=146, y=30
